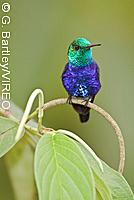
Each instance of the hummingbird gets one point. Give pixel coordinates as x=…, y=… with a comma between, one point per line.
x=80, y=77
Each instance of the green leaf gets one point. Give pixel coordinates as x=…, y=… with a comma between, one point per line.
x=8, y=130
x=102, y=189
x=118, y=186
x=98, y=196
x=61, y=169
x=19, y=162
x=80, y=141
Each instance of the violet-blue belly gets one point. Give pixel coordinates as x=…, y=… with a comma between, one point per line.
x=83, y=81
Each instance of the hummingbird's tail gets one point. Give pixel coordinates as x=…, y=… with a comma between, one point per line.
x=84, y=112
x=84, y=118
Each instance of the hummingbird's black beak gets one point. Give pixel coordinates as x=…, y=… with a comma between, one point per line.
x=92, y=45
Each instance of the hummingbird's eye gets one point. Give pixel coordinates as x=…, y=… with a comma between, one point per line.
x=76, y=48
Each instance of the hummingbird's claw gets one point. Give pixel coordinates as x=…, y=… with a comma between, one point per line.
x=69, y=99
x=86, y=101
x=89, y=99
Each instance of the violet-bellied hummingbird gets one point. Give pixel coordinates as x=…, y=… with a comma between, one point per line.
x=81, y=75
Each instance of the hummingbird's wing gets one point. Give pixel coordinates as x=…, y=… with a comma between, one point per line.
x=64, y=70
x=97, y=69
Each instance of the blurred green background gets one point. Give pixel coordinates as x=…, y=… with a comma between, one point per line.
x=40, y=34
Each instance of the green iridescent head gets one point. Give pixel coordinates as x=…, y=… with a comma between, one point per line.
x=80, y=52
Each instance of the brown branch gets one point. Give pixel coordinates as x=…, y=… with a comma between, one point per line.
x=106, y=115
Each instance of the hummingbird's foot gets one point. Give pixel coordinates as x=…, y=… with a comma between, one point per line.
x=69, y=99
x=86, y=102
x=89, y=99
